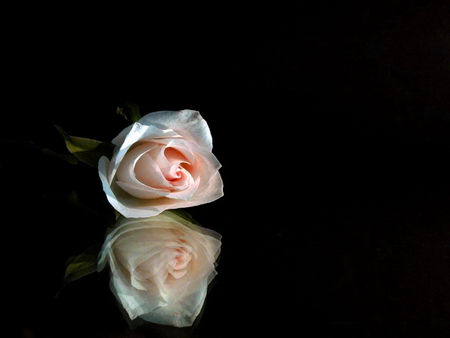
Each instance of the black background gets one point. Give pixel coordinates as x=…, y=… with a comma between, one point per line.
x=332, y=124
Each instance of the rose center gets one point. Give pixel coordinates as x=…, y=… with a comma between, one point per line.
x=178, y=176
x=177, y=266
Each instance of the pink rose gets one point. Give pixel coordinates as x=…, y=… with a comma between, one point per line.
x=160, y=267
x=162, y=161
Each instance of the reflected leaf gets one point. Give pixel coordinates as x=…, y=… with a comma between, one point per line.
x=81, y=265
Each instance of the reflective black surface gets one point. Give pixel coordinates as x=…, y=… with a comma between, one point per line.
x=332, y=123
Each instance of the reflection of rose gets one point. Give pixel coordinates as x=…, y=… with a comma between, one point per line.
x=161, y=267
x=163, y=161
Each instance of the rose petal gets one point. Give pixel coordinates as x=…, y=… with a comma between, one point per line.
x=129, y=136
x=188, y=123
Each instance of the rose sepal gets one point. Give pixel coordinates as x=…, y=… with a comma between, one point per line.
x=130, y=111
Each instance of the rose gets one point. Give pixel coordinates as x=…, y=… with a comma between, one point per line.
x=161, y=266
x=162, y=161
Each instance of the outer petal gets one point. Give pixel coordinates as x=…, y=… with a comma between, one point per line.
x=128, y=137
x=103, y=166
x=188, y=123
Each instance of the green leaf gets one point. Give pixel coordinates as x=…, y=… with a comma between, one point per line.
x=81, y=265
x=86, y=150
x=130, y=111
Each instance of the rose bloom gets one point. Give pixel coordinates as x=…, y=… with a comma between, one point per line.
x=162, y=161
x=161, y=267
